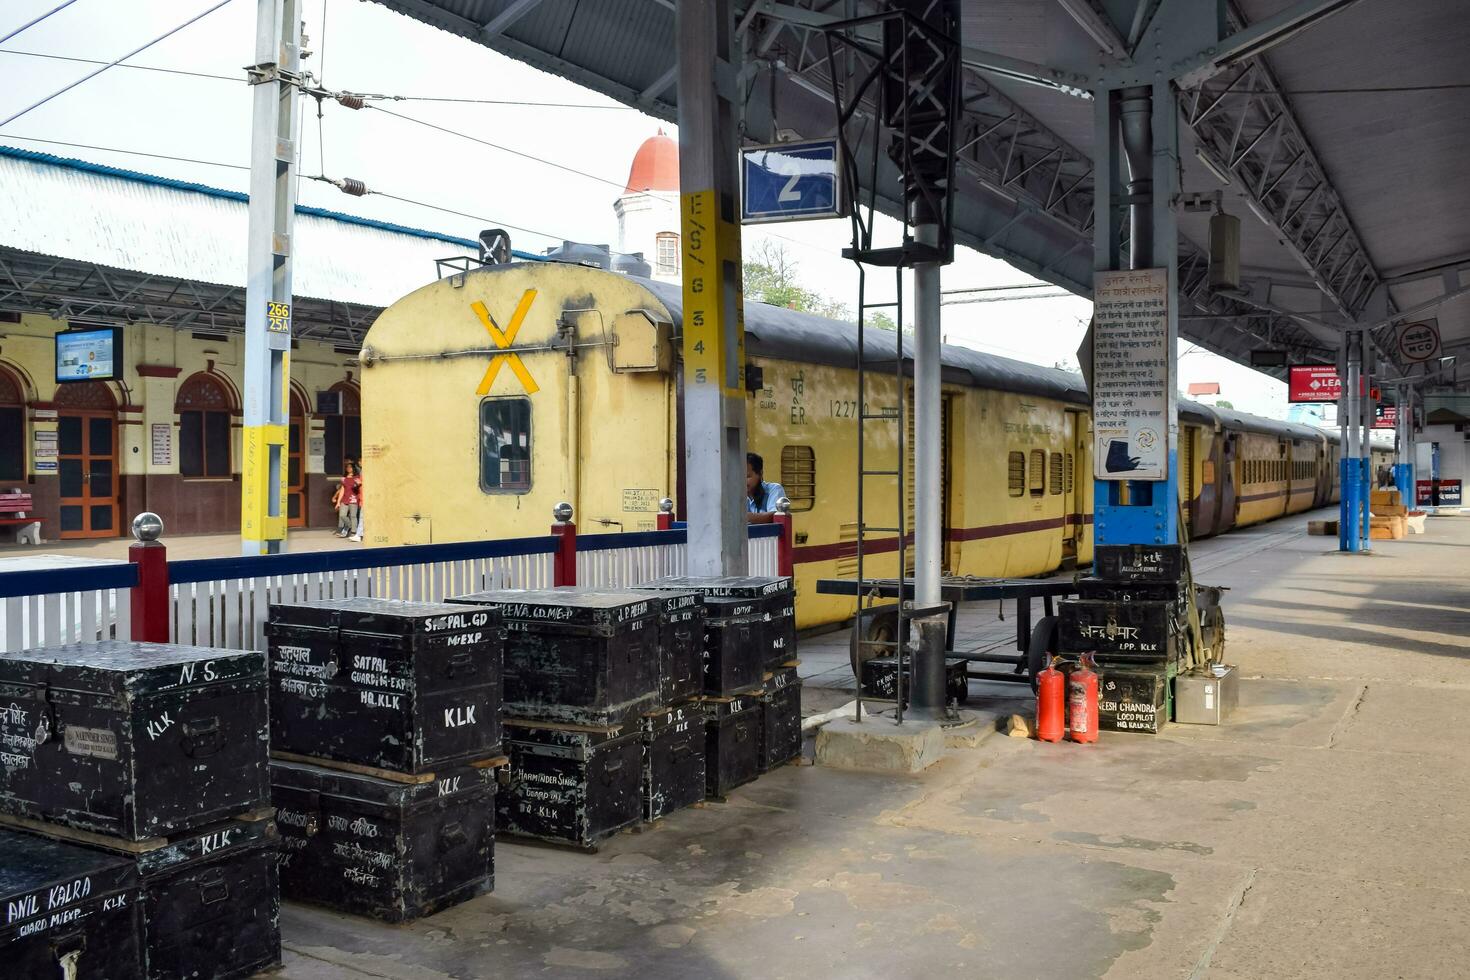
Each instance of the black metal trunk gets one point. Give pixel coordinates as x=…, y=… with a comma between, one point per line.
x=212, y=902
x=880, y=679
x=750, y=627
x=394, y=851
x=1143, y=631
x=1139, y=562
x=568, y=785
x=732, y=733
x=1132, y=700
x=66, y=904
x=673, y=760
x=1097, y=588
x=577, y=657
x=780, y=739
x=680, y=647
x=409, y=687
x=132, y=740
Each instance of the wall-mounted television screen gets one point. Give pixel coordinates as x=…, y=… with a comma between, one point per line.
x=89, y=355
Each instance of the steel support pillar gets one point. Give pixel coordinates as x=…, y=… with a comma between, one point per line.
x=275, y=127
x=714, y=345
x=929, y=696
x=1137, y=133
x=1352, y=494
x=1366, y=411
x=1403, y=468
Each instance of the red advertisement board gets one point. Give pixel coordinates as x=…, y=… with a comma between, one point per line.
x=1313, y=383
x=1387, y=417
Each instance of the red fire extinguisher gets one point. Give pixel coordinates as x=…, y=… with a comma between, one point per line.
x=1051, y=704
x=1082, y=701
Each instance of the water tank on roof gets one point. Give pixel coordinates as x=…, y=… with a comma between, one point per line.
x=596, y=256
x=632, y=264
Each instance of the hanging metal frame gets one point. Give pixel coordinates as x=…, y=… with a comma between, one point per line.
x=866, y=112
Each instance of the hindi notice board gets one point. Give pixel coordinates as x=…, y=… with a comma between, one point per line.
x=1130, y=375
x=162, y=443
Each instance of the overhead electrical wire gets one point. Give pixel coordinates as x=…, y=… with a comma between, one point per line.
x=96, y=61
x=93, y=74
x=34, y=21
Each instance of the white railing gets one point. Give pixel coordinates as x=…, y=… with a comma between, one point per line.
x=67, y=603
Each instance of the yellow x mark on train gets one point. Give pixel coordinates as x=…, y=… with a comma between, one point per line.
x=503, y=339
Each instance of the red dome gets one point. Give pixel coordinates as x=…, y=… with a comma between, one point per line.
x=655, y=166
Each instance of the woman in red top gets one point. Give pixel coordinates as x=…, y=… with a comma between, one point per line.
x=348, y=499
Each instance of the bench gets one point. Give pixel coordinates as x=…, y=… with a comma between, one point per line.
x=15, y=512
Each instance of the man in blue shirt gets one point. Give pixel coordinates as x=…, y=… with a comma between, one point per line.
x=761, y=497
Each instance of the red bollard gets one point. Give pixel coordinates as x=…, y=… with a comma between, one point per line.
x=1051, y=704
x=1082, y=701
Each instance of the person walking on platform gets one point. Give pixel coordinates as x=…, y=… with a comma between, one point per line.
x=347, y=500
x=361, y=501
x=761, y=497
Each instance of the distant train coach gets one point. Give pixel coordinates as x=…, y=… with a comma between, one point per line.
x=490, y=396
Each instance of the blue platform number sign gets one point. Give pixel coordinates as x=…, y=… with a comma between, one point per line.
x=790, y=182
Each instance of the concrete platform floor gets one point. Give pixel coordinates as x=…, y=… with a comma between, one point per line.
x=1322, y=834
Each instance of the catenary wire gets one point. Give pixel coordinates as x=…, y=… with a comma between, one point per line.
x=93, y=74
x=36, y=20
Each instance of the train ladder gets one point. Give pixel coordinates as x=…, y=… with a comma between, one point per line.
x=881, y=418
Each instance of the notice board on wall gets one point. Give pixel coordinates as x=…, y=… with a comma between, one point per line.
x=1131, y=374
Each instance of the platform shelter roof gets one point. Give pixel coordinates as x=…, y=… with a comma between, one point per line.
x=1335, y=130
x=85, y=241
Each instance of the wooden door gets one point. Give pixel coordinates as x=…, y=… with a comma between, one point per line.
x=296, y=466
x=87, y=467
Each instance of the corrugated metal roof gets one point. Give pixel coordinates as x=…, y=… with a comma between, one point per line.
x=124, y=219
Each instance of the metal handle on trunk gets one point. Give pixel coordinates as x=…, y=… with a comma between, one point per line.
x=201, y=739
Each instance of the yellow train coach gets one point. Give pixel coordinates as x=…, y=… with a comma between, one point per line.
x=490, y=396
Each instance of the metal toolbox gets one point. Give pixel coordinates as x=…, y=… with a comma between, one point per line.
x=780, y=739
x=880, y=679
x=404, y=686
x=390, y=850
x=1141, y=631
x=1132, y=699
x=752, y=626
x=1139, y=562
x=1204, y=697
x=71, y=911
x=574, y=656
x=732, y=731
x=571, y=785
x=132, y=740
x=673, y=760
x=212, y=902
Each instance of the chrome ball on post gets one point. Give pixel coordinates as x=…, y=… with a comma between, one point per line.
x=147, y=526
x=562, y=512
x=783, y=505
x=666, y=505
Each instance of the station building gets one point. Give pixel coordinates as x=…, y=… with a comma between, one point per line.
x=88, y=246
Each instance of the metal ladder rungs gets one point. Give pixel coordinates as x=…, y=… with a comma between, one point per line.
x=865, y=528
x=880, y=473
x=892, y=416
x=877, y=306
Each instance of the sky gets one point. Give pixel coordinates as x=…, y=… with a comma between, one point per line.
x=547, y=173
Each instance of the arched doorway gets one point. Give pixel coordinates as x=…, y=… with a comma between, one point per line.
x=87, y=460
x=343, y=431
x=296, y=466
x=12, y=428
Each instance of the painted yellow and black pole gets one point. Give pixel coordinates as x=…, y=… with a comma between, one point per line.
x=714, y=344
x=275, y=127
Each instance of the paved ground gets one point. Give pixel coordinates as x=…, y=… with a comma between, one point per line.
x=1319, y=835
x=180, y=546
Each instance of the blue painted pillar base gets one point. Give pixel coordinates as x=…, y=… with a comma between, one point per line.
x=1403, y=478
x=1365, y=502
x=1349, y=519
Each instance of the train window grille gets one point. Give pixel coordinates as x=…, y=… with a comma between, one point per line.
x=1068, y=474
x=505, y=445
x=1017, y=478
x=799, y=476
x=1038, y=472
x=1056, y=473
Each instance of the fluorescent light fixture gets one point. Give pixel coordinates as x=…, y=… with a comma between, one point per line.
x=1221, y=174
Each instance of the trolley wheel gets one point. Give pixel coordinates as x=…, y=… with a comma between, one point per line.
x=881, y=626
x=1043, y=644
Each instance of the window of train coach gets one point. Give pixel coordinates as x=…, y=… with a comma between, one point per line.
x=799, y=476
x=667, y=244
x=1017, y=476
x=1038, y=472
x=505, y=445
x=1056, y=473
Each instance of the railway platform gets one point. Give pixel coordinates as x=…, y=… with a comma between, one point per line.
x=1318, y=834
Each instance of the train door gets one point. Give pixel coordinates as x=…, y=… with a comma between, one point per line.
x=944, y=482
x=1073, y=434
x=1228, y=485
x=1188, y=435
x=87, y=460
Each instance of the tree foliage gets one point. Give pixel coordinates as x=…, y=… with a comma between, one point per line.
x=771, y=277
